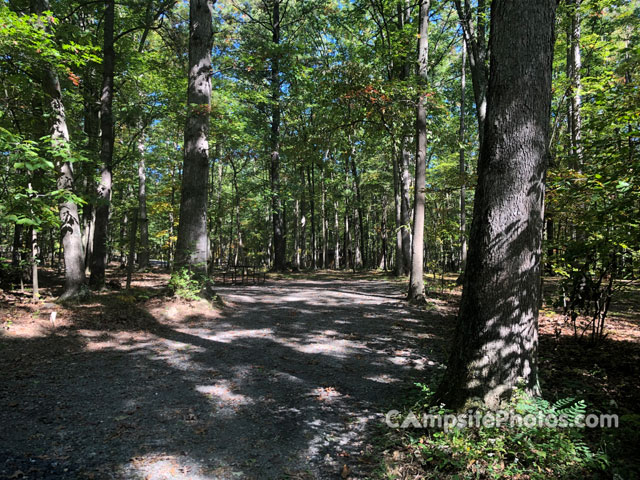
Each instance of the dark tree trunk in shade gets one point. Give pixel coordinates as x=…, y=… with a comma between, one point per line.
x=279, y=245
x=416, y=279
x=17, y=241
x=495, y=344
x=103, y=204
x=71, y=235
x=193, y=244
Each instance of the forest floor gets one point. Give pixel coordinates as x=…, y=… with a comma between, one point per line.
x=289, y=379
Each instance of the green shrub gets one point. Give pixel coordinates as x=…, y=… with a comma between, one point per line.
x=508, y=451
x=184, y=284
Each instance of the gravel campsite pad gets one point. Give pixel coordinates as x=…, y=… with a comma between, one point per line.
x=289, y=379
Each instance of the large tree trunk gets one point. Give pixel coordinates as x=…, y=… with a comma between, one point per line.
x=496, y=339
x=68, y=210
x=192, y=244
x=416, y=280
x=101, y=229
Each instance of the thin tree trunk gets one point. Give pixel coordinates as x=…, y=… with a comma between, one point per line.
x=495, y=343
x=336, y=227
x=132, y=246
x=405, y=207
x=192, y=244
x=101, y=232
x=279, y=242
x=576, y=82
x=399, y=263
x=463, y=169
x=474, y=38
x=312, y=188
x=416, y=280
x=17, y=241
x=143, y=254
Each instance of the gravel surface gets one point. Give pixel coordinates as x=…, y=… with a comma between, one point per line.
x=288, y=380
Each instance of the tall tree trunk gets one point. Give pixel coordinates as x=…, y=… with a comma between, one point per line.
x=475, y=41
x=336, y=227
x=143, y=253
x=576, y=81
x=192, y=244
x=68, y=210
x=279, y=242
x=101, y=231
x=463, y=168
x=405, y=206
x=416, y=280
x=296, y=234
x=325, y=247
x=397, y=200
x=496, y=338
x=312, y=187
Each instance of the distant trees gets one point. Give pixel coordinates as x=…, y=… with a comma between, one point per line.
x=496, y=339
x=303, y=154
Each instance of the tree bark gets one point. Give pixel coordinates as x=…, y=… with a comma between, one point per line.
x=279, y=242
x=397, y=200
x=495, y=345
x=405, y=206
x=463, y=168
x=143, y=253
x=103, y=206
x=68, y=211
x=416, y=280
x=474, y=39
x=193, y=245
x=575, y=78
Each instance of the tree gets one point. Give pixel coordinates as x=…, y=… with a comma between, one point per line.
x=70, y=222
x=99, y=253
x=416, y=280
x=193, y=244
x=496, y=338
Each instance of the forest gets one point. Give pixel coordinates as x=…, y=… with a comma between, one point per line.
x=249, y=238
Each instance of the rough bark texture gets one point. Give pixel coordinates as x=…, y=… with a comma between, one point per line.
x=416, y=280
x=495, y=344
x=71, y=235
x=192, y=244
x=103, y=205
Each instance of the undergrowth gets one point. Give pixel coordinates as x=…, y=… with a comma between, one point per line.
x=510, y=451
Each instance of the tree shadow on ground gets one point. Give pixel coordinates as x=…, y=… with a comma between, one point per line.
x=286, y=381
